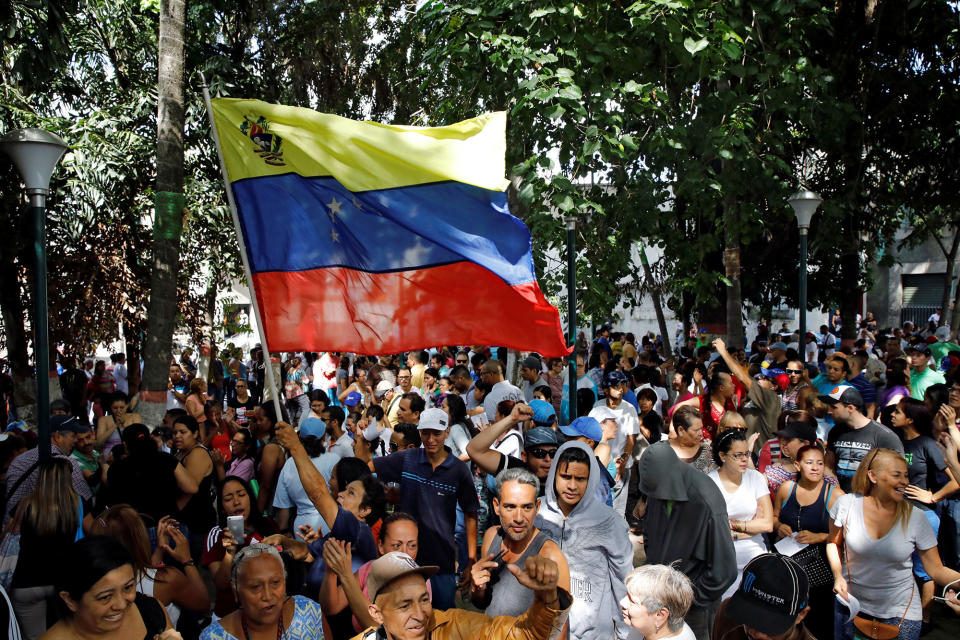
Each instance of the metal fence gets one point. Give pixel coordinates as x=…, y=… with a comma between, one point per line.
x=917, y=315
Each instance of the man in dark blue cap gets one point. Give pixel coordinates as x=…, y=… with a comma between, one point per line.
x=613, y=406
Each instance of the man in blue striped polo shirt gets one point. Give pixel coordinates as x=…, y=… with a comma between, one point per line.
x=432, y=482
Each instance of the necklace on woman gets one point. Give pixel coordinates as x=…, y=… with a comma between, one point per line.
x=281, y=633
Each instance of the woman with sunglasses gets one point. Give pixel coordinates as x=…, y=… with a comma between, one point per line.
x=749, y=507
x=798, y=380
x=243, y=459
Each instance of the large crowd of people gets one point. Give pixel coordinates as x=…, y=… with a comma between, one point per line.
x=799, y=488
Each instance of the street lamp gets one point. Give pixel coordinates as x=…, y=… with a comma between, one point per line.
x=36, y=152
x=570, y=221
x=804, y=205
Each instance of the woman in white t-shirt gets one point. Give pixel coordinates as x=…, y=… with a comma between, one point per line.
x=745, y=491
x=880, y=532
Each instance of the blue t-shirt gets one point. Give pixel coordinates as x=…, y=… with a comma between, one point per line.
x=431, y=496
x=290, y=491
x=346, y=528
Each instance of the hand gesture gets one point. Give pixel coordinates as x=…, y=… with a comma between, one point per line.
x=180, y=549
x=298, y=550
x=231, y=544
x=308, y=534
x=480, y=574
x=539, y=573
x=217, y=456
x=949, y=414
x=697, y=376
x=287, y=437
x=720, y=345
x=337, y=556
x=949, y=447
x=521, y=412
x=920, y=495
x=784, y=531
x=752, y=441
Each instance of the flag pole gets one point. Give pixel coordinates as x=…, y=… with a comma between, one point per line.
x=271, y=379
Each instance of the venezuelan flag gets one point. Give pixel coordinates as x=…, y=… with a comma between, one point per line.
x=373, y=238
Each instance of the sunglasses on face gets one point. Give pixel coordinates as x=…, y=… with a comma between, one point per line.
x=795, y=372
x=541, y=454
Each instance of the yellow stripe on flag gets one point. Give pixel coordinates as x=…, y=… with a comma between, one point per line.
x=261, y=139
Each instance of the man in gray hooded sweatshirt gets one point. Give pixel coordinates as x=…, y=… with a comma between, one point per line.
x=593, y=537
x=686, y=522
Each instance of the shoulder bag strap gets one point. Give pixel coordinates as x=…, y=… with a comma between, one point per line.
x=22, y=479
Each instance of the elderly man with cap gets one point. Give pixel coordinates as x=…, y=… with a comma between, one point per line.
x=23, y=471
x=921, y=375
x=539, y=446
x=771, y=602
x=402, y=607
x=853, y=434
x=433, y=482
x=628, y=427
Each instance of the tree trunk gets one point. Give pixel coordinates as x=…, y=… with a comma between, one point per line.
x=207, y=341
x=133, y=357
x=949, y=277
x=14, y=314
x=162, y=310
x=731, y=263
x=657, y=302
x=850, y=297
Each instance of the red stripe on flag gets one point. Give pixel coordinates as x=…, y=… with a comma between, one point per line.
x=337, y=309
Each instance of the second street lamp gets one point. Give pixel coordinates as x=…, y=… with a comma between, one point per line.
x=804, y=205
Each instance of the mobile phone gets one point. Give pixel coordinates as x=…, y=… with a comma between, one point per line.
x=235, y=525
x=495, y=571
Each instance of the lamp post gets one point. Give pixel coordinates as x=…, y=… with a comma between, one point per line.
x=570, y=221
x=36, y=152
x=804, y=205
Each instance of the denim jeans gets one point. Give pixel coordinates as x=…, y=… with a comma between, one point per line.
x=444, y=586
x=844, y=630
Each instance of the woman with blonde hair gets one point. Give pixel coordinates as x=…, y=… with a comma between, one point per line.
x=879, y=530
x=195, y=404
x=50, y=520
x=658, y=598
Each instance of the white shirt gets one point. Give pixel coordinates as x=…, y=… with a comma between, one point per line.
x=742, y=504
x=628, y=424
x=120, y=378
x=501, y=391
x=813, y=352
x=881, y=571
x=343, y=447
